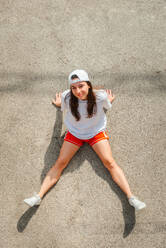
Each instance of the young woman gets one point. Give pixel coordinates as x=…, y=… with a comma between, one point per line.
x=86, y=122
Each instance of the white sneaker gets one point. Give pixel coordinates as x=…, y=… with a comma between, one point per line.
x=33, y=201
x=137, y=204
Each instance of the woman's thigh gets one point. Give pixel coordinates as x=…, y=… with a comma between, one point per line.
x=103, y=150
x=67, y=151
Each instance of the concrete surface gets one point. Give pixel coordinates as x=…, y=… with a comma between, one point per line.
x=122, y=44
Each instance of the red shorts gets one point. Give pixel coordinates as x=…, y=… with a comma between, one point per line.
x=79, y=142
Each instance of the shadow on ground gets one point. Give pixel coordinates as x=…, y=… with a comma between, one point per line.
x=25, y=218
x=24, y=82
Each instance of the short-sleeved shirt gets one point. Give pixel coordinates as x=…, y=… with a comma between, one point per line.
x=86, y=128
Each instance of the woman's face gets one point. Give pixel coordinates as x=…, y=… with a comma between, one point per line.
x=80, y=90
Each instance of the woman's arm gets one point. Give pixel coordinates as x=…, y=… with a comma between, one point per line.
x=57, y=100
x=111, y=97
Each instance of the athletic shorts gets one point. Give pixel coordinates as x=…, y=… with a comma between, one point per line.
x=79, y=142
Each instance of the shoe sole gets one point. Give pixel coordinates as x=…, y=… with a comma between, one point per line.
x=36, y=204
x=140, y=207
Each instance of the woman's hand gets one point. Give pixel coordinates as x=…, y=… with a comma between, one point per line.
x=57, y=100
x=111, y=97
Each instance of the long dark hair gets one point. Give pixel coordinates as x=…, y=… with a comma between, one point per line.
x=91, y=102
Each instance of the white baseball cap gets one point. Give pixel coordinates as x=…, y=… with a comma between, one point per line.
x=81, y=74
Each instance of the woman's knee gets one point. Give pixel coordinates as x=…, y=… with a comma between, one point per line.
x=109, y=163
x=61, y=163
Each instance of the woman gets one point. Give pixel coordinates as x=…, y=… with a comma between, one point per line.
x=86, y=122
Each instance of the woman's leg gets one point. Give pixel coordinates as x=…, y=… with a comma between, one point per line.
x=103, y=150
x=67, y=151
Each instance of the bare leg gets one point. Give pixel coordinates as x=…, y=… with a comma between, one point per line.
x=67, y=151
x=103, y=150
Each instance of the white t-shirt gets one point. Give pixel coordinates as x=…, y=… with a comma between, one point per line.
x=86, y=128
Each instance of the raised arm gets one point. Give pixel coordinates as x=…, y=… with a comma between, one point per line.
x=111, y=97
x=57, y=100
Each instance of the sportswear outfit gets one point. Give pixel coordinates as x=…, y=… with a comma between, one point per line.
x=89, y=130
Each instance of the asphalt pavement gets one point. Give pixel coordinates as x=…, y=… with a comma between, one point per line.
x=122, y=45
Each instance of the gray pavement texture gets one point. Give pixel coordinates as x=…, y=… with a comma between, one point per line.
x=122, y=45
